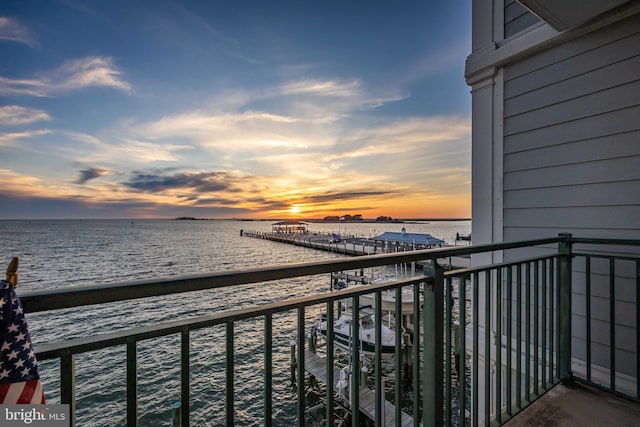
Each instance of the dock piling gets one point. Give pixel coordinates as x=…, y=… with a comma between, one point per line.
x=293, y=361
x=177, y=416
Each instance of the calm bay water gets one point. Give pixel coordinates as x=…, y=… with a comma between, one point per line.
x=56, y=254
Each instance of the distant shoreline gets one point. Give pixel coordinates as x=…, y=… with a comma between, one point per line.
x=362, y=221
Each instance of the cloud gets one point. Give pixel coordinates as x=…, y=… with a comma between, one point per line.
x=198, y=123
x=7, y=139
x=13, y=31
x=331, y=97
x=23, y=87
x=121, y=150
x=402, y=136
x=90, y=173
x=15, y=115
x=231, y=132
x=201, y=182
x=89, y=72
x=94, y=71
x=322, y=88
x=340, y=196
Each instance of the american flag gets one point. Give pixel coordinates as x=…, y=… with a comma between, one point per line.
x=19, y=379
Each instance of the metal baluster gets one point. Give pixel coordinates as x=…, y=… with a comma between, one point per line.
x=184, y=377
x=68, y=384
x=612, y=321
x=499, y=345
x=229, y=409
x=132, y=384
x=487, y=348
x=509, y=325
x=355, y=362
x=474, y=369
x=268, y=369
x=330, y=362
x=588, y=314
x=519, y=336
x=300, y=368
x=462, y=299
x=447, y=346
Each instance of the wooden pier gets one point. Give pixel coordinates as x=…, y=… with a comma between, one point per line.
x=316, y=366
x=348, y=245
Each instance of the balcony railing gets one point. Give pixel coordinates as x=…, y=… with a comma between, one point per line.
x=486, y=341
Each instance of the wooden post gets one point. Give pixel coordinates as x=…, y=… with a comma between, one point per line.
x=363, y=376
x=177, y=418
x=293, y=361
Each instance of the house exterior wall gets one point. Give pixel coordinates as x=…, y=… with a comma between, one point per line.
x=517, y=18
x=556, y=148
x=572, y=137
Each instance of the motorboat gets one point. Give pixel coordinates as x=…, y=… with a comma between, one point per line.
x=388, y=298
x=342, y=332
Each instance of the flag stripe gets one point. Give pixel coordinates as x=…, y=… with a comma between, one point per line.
x=27, y=391
x=11, y=392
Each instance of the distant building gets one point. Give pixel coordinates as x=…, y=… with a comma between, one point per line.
x=404, y=240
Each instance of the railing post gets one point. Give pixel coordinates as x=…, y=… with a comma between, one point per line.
x=564, y=327
x=433, y=323
x=68, y=384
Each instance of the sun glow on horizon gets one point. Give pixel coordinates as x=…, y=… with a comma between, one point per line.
x=295, y=209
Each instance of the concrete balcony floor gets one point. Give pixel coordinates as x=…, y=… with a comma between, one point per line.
x=578, y=405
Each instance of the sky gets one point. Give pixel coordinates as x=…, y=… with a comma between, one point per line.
x=234, y=109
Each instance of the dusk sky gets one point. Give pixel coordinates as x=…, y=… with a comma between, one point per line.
x=234, y=109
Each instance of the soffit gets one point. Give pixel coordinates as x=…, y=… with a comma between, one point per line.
x=563, y=14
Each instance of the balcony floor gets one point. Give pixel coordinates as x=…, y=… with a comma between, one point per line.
x=578, y=405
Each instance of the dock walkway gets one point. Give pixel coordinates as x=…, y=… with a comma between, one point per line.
x=348, y=245
x=316, y=366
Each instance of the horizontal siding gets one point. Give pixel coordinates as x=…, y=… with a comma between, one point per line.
x=575, y=108
x=530, y=73
x=581, y=196
x=584, y=129
x=528, y=232
x=621, y=169
x=517, y=18
x=619, y=73
x=609, y=217
x=571, y=163
x=554, y=153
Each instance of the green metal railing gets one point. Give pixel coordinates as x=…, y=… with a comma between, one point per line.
x=493, y=338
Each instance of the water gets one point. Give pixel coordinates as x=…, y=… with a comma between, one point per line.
x=63, y=253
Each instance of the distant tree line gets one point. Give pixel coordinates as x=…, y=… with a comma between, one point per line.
x=354, y=218
x=347, y=217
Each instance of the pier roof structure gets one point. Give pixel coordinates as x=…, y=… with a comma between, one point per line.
x=409, y=238
x=290, y=227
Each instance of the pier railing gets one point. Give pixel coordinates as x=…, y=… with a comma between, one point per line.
x=486, y=341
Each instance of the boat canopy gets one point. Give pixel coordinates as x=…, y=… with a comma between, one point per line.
x=290, y=227
x=421, y=239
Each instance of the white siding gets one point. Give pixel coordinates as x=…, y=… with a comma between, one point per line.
x=572, y=164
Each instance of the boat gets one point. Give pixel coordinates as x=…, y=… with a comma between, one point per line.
x=388, y=298
x=343, y=327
